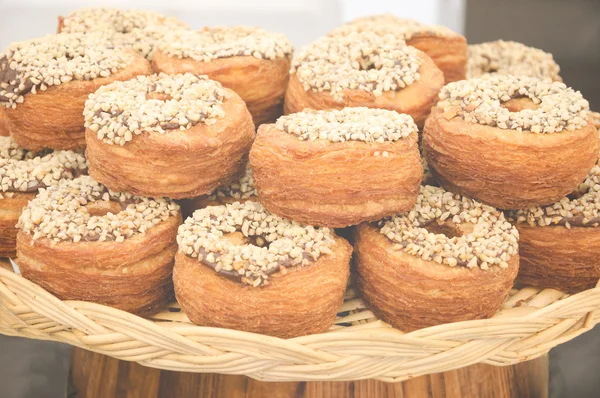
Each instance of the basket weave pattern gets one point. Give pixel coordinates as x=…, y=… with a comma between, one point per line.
x=357, y=347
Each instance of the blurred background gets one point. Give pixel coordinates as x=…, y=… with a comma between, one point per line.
x=569, y=29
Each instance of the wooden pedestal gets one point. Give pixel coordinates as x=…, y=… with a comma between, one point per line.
x=97, y=376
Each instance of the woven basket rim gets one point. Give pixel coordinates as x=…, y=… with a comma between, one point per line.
x=548, y=318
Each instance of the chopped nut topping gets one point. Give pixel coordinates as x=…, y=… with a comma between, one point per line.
x=241, y=189
x=388, y=24
x=581, y=208
x=135, y=29
x=26, y=171
x=34, y=65
x=121, y=110
x=348, y=124
x=480, y=101
x=510, y=58
x=273, y=242
x=357, y=61
x=59, y=213
x=492, y=242
x=596, y=118
x=224, y=42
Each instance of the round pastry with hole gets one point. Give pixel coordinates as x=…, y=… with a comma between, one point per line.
x=449, y=259
x=177, y=136
x=135, y=29
x=511, y=142
x=446, y=48
x=3, y=124
x=363, y=70
x=337, y=168
x=22, y=174
x=510, y=58
x=240, y=190
x=251, y=61
x=81, y=241
x=241, y=267
x=559, y=244
x=45, y=82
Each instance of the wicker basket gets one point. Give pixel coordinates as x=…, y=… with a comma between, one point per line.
x=357, y=347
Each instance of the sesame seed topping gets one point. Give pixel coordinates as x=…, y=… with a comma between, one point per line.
x=492, y=241
x=224, y=42
x=348, y=124
x=510, y=58
x=60, y=213
x=121, y=110
x=241, y=189
x=581, y=208
x=134, y=29
x=245, y=241
x=34, y=65
x=357, y=61
x=388, y=24
x=26, y=171
x=480, y=101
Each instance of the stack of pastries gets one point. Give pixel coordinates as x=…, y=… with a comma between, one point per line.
x=147, y=160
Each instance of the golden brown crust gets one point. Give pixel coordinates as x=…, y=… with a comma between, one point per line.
x=450, y=53
x=260, y=82
x=188, y=163
x=505, y=168
x=559, y=258
x=415, y=100
x=410, y=293
x=303, y=301
x=3, y=124
x=331, y=184
x=133, y=276
x=10, y=210
x=54, y=118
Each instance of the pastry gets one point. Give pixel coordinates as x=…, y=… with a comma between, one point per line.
x=177, y=136
x=45, y=82
x=240, y=267
x=510, y=58
x=135, y=29
x=511, y=142
x=559, y=244
x=240, y=190
x=22, y=174
x=3, y=124
x=363, y=69
x=449, y=259
x=446, y=48
x=337, y=168
x=251, y=61
x=81, y=241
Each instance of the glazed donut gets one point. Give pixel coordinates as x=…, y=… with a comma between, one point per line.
x=3, y=124
x=252, y=62
x=240, y=190
x=22, y=174
x=559, y=244
x=511, y=142
x=240, y=267
x=510, y=58
x=449, y=259
x=363, y=69
x=178, y=136
x=446, y=48
x=134, y=29
x=317, y=167
x=81, y=241
x=45, y=82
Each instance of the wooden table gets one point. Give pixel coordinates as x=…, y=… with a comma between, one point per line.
x=97, y=376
